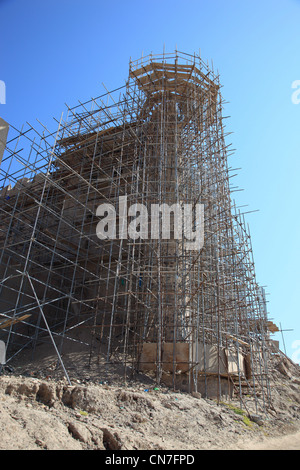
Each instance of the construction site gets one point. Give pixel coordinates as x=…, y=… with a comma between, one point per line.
x=193, y=320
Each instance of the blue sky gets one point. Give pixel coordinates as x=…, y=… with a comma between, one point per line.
x=60, y=51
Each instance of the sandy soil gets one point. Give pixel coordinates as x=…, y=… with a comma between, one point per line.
x=40, y=411
x=289, y=442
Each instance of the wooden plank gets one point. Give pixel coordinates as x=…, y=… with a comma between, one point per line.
x=171, y=68
x=13, y=321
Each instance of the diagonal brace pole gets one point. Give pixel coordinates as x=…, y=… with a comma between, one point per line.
x=49, y=331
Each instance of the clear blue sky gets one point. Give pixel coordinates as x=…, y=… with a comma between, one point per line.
x=55, y=52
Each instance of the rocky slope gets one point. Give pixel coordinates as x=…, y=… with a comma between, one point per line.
x=42, y=412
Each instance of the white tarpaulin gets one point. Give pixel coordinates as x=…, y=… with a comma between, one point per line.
x=2, y=353
x=3, y=136
x=211, y=359
x=235, y=362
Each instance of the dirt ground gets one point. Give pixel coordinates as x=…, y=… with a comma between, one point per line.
x=289, y=442
x=40, y=411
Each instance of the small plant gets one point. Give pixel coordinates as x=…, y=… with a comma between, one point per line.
x=247, y=421
x=236, y=410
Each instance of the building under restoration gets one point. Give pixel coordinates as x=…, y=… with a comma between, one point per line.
x=196, y=319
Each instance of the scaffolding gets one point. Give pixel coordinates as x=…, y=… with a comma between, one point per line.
x=197, y=319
